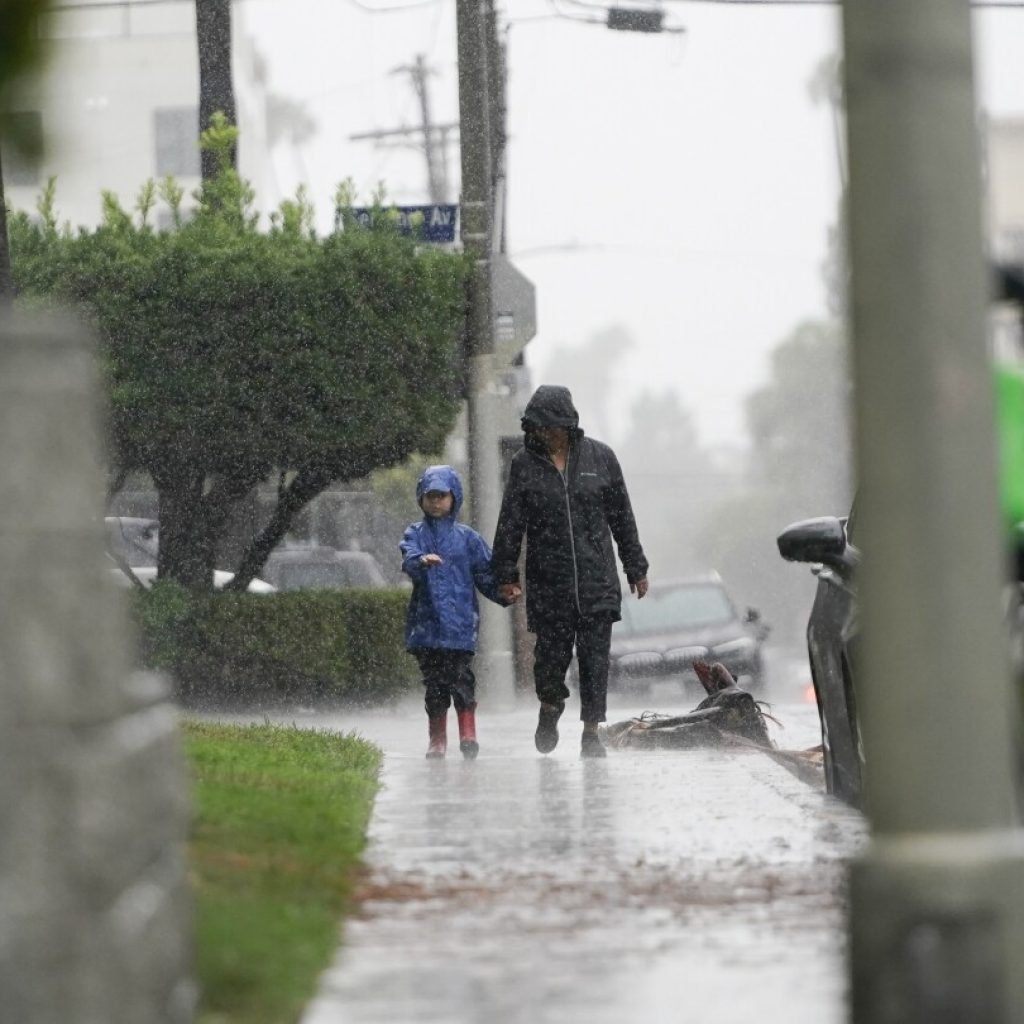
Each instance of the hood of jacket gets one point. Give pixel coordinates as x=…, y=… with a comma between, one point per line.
x=551, y=406
x=441, y=478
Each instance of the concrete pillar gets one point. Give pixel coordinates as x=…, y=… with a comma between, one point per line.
x=938, y=899
x=94, y=918
x=494, y=654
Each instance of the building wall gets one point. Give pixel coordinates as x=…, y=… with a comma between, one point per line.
x=1006, y=188
x=108, y=73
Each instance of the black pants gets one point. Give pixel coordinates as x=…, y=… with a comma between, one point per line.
x=448, y=679
x=592, y=638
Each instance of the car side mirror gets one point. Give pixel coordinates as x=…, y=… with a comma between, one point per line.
x=814, y=540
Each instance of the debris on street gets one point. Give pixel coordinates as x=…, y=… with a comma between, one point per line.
x=729, y=717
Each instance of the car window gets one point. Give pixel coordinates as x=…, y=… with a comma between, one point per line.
x=313, y=575
x=327, y=575
x=672, y=608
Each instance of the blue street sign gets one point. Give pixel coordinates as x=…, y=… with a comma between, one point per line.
x=433, y=223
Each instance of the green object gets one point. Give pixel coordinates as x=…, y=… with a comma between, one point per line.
x=279, y=823
x=232, y=355
x=1010, y=418
x=344, y=646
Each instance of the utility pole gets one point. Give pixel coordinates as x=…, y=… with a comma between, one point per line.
x=497, y=112
x=437, y=170
x=937, y=901
x=432, y=139
x=477, y=224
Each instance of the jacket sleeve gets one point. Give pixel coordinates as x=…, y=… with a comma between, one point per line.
x=411, y=554
x=622, y=522
x=480, y=566
x=508, y=535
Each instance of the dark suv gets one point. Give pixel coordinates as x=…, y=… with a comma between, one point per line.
x=832, y=631
x=680, y=622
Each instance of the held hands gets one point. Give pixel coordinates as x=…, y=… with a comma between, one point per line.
x=428, y=561
x=510, y=592
x=639, y=588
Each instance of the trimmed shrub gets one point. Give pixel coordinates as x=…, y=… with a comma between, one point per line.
x=340, y=646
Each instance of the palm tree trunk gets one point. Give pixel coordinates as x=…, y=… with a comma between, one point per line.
x=6, y=277
x=216, y=92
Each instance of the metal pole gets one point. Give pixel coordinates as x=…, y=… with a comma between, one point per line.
x=494, y=650
x=937, y=902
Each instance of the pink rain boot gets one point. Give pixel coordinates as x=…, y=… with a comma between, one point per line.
x=467, y=733
x=438, y=736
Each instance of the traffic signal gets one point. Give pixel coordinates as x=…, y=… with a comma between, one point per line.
x=635, y=19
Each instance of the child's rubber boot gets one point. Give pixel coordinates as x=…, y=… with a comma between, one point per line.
x=438, y=737
x=467, y=733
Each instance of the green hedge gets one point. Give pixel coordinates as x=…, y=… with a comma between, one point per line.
x=345, y=646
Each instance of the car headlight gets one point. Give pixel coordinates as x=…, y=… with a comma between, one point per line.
x=743, y=647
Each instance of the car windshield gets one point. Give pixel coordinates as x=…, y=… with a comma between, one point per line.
x=324, y=575
x=675, y=608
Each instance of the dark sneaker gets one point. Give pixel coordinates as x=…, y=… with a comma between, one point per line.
x=591, y=745
x=546, y=736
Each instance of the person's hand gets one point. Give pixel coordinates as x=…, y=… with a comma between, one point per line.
x=639, y=588
x=428, y=561
x=510, y=592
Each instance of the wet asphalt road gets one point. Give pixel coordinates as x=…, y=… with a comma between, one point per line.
x=659, y=886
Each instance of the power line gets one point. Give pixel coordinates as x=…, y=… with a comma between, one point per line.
x=371, y=8
x=1008, y=4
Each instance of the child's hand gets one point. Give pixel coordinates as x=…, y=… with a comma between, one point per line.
x=510, y=592
x=428, y=561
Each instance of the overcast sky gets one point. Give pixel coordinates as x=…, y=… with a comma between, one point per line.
x=680, y=185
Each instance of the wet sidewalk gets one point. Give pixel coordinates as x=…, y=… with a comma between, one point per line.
x=653, y=887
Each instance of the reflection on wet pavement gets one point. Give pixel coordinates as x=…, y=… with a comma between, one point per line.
x=652, y=886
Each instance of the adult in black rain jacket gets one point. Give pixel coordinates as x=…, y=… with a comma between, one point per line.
x=566, y=494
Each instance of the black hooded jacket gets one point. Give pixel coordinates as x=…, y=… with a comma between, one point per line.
x=569, y=521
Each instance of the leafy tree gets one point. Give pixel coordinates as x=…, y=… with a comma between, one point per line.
x=798, y=467
x=672, y=480
x=233, y=356
x=589, y=372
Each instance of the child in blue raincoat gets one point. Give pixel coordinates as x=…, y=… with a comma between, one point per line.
x=448, y=562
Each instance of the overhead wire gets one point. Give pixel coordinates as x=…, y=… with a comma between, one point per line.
x=406, y=5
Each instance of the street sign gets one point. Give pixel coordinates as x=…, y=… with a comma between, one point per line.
x=515, y=309
x=431, y=223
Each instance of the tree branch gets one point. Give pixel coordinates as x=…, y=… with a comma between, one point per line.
x=303, y=489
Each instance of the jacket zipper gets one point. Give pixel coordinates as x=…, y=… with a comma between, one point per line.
x=572, y=535
x=564, y=477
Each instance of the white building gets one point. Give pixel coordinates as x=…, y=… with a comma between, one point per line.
x=117, y=103
x=1005, y=213
x=1006, y=188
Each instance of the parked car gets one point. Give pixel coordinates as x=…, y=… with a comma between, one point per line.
x=134, y=543
x=826, y=544
x=322, y=568
x=680, y=622
x=134, y=540
x=146, y=576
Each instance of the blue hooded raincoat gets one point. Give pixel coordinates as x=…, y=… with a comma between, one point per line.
x=443, y=610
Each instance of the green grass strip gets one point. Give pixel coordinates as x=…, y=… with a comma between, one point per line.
x=280, y=818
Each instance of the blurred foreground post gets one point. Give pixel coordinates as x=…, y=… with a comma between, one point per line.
x=477, y=203
x=94, y=917
x=938, y=899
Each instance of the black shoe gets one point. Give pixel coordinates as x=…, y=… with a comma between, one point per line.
x=591, y=745
x=546, y=736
